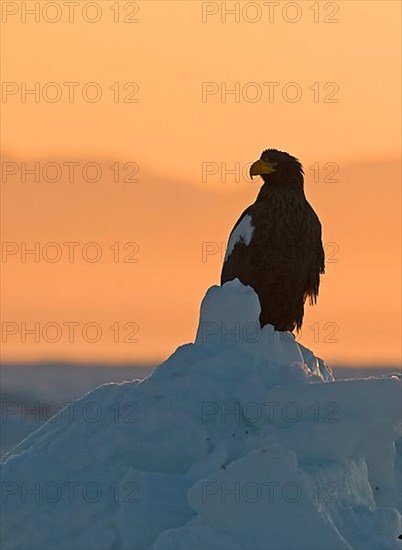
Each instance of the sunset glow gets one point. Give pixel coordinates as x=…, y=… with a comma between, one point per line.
x=130, y=142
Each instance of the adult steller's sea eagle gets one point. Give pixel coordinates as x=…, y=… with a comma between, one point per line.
x=275, y=247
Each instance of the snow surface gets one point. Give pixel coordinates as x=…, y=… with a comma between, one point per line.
x=242, y=233
x=242, y=440
x=33, y=392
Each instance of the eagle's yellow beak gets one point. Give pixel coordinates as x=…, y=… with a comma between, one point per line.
x=261, y=167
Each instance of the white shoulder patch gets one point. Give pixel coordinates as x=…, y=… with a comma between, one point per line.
x=243, y=233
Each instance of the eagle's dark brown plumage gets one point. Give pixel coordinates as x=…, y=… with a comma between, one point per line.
x=275, y=247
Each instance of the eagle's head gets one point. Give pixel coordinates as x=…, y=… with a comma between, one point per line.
x=278, y=168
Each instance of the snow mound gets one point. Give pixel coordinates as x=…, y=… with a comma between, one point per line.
x=242, y=439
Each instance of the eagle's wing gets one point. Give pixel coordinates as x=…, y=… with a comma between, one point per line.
x=317, y=261
x=237, y=252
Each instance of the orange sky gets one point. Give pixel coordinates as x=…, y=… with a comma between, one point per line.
x=171, y=133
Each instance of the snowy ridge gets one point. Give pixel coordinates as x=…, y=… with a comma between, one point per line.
x=241, y=440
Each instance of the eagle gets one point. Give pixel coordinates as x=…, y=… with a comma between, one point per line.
x=275, y=247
